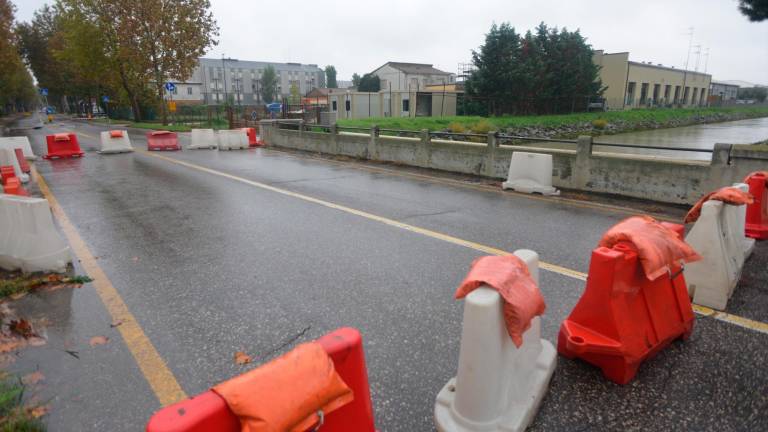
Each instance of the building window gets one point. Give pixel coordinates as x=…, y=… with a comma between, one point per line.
x=189, y=90
x=677, y=94
x=656, y=95
x=630, y=93
x=643, y=93
x=406, y=105
x=333, y=106
x=667, y=90
x=695, y=96
x=685, y=95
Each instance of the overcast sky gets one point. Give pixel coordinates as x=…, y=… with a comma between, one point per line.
x=359, y=35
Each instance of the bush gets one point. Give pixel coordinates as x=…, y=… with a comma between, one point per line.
x=456, y=127
x=482, y=127
x=599, y=123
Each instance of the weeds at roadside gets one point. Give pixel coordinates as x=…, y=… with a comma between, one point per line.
x=14, y=415
x=19, y=285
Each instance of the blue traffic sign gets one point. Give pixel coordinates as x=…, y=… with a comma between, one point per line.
x=254, y=115
x=44, y=91
x=170, y=86
x=105, y=99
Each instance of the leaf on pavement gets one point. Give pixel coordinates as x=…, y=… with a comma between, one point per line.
x=33, y=378
x=22, y=327
x=36, y=341
x=135, y=259
x=242, y=358
x=99, y=340
x=116, y=323
x=37, y=411
x=8, y=345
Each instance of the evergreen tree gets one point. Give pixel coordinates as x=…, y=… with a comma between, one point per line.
x=369, y=83
x=268, y=84
x=330, y=76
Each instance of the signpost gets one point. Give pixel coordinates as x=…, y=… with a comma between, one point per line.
x=170, y=88
x=105, y=99
x=172, y=106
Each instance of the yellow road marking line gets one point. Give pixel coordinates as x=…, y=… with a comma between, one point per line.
x=156, y=372
x=721, y=316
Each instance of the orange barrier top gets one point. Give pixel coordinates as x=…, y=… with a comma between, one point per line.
x=116, y=134
x=510, y=277
x=287, y=393
x=657, y=246
x=61, y=137
x=729, y=195
x=756, y=173
x=161, y=132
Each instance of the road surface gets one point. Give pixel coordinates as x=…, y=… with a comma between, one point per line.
x=217, y=252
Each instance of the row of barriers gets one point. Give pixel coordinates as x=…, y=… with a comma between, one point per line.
x=636, y=302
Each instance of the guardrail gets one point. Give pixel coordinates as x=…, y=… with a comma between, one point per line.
x=638, y=146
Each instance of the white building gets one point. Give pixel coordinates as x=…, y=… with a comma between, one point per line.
x=411, y=76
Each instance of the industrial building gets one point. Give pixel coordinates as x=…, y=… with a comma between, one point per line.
x=398, y=76
x=632, y=84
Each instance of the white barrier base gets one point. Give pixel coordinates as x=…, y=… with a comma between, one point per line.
x=8, y=157
x=19, y=142
x=110, y=145
x=712, y=279
x=233, y=139
x=499, y=386
x=202, y=139
x=28, y=239
x=530, y=173
x=738, y=221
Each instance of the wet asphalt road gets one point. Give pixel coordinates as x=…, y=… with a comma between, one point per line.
x=211, y=266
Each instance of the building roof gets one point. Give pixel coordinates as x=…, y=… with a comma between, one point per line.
x=725, y=83
x=252, y=64
x=744, y=84
x=669, y=68
x=414, y=68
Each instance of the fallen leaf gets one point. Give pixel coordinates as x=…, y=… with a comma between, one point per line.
x=7, y=346
x=55, y=278
x=6, y=360
x=33, y=378
x=18, y=295
x=22, y=327
x=116, y=323
x=36, y=341
x=135, y=259
x=37, y=411
x=242, y=358
x=99, y=340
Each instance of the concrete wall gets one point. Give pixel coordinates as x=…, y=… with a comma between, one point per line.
x=658, y=179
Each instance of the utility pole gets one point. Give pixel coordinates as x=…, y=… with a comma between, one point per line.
x=224, y=72
x=706, y=59
x=687, y=59
x=698, y=56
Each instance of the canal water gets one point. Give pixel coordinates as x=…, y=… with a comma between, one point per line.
x=695, y=137
x=703, y=137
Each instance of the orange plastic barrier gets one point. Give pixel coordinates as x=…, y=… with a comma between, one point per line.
x=253, y=140
x=23, y=164
x=757, y=212
x=625, y=317
x=13, y=186
x=115, y=134
x=509, y=276
x=62, y=145
x=729, y=195
x=6, y=172
x=209, y=412
x=162, y=140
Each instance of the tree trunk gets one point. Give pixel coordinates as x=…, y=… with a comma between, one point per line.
x=131, y=96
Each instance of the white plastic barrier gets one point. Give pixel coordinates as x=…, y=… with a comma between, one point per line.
x=736, y=217
x=116, y=141
x=530, y=173
x=499, y=386
x=233, y=139
x=8, y=157
x=203, y=139
x=19, y=142
x=712, y=279
x=28, y=239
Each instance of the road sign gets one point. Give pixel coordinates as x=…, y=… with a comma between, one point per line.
x=44, y=91
x=105, y=99
x=170, y=86
x=254, y=115
x=172, y=106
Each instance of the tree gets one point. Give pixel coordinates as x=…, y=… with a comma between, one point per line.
x=355, y=80
x=369, y=83
x=167, y=38
x=16, y=89
x=268, y=84
x=755, y=10
x=546, y=71
x=330, y=76
x=294, y=97
x=756, y=93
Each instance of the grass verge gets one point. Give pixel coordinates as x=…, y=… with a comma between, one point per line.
x=637, y=117
x=182, y=127
x=14, y=416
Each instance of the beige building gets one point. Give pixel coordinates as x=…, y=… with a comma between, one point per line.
x=399, y=76
x=353, y=105
x=645, y=85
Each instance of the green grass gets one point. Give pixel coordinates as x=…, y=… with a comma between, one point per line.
x=14, y=417
x=215, y=124
x=638, y=116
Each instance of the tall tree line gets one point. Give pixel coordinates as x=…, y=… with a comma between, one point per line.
x=16, y=89
x=544, y=71
x=83, y=49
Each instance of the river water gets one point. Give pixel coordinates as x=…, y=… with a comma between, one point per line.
x=695, y=137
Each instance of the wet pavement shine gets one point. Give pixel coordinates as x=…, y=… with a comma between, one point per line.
x=210, y=266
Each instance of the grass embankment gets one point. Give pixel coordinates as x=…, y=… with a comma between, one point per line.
x=638, y=119
x=14, y=416
x=179, y=127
